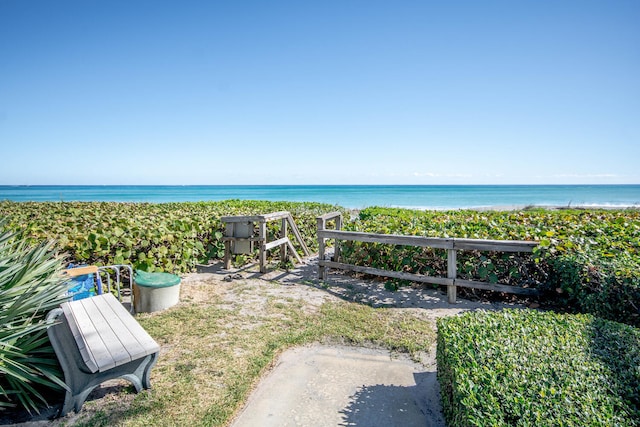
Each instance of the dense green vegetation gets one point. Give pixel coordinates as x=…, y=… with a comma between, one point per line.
x=152, y=237
x=30, y=286
x=587, y=259
x=531, y=368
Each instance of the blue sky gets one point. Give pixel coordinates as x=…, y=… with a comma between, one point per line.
x=330, y=92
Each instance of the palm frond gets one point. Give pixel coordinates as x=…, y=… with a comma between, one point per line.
x=30, y=286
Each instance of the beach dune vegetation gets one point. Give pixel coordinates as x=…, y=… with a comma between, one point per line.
x=172, y=237
x=587, y=260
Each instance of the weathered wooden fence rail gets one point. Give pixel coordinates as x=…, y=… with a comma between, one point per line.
x=452, y=245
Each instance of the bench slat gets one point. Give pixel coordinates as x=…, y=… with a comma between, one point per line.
x=128, y=332
x=103, y=322
x=106, y=334
x=139, y=334
x=91, y=346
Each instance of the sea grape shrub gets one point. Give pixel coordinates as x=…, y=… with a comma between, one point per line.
x=595, y=263
x=494, y=267
x=602, y=287
x=173, y=237
x=587, y=260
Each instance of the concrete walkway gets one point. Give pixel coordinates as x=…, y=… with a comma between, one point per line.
x=344, y=386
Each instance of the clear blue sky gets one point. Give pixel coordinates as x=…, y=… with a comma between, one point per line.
x=319, y=92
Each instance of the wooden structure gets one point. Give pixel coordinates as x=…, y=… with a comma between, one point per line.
x=452, y=245
x=240, y=236
x=95, y=340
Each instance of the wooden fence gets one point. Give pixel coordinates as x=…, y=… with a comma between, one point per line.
x=452, y=245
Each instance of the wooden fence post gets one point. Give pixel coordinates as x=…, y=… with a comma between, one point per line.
x=283, y=234
x=336, y=251
x=452, y=271
x=321, y=268
x=263, y=245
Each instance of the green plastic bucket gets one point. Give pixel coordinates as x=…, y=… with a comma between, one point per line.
x=155, y=291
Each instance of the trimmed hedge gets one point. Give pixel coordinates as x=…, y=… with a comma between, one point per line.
x=531, y=368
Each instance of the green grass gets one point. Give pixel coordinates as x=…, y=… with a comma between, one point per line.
x=214, y=352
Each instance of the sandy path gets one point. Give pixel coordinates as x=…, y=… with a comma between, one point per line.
x=322, y=385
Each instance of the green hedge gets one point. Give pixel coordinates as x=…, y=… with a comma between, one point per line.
x=588, y=260
x=529, y=368
x=153, y=237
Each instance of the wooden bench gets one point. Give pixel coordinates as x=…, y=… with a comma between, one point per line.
x=96, y=339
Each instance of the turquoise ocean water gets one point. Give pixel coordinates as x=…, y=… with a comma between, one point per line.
x=349, y=196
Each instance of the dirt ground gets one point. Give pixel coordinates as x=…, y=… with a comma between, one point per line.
x=303, y=283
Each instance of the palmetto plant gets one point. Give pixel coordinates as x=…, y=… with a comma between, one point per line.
x=30, y=286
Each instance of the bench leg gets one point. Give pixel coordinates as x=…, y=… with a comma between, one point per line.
x=79, y=382
x=139, y=372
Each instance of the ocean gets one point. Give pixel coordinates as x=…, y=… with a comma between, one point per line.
x=348, y=196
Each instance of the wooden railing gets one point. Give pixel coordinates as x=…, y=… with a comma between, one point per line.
x=240, y=234
x=452, y=245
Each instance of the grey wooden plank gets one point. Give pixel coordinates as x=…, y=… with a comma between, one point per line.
x=284, y=228
x=384, y=273
x=452, y=272
x=392, y=239
x=255, y=218
x=296, y=232
x=434, y=242
x=274, y=215
x=127, y=339
x=93, y=350
x=294, y=252
x=495, y=245
x=321, y=269
x=329, y=216
x=102, y=321
x=89, y=325
x=275, y=243
x=133, y=336
x=336, y=245
x=111, y=332
x=262, y=233
x=246, y=218
x=496, y=287
x=79, y=339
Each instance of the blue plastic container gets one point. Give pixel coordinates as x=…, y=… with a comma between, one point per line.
x=81, y=287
